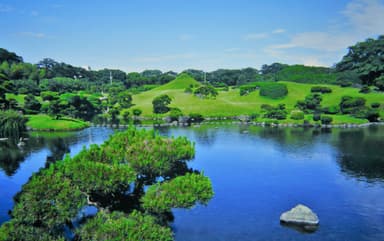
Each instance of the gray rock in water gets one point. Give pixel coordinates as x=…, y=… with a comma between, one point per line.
x=301, y=215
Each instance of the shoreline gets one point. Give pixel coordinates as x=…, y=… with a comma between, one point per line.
x=261, y=124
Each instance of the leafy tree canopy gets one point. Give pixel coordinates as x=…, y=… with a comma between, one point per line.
x=366, y=59
x=112, y=178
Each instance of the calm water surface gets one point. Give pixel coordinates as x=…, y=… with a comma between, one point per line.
x=257, y=173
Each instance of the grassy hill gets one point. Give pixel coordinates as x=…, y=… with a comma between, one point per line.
x=230, y=103
x=180, y=83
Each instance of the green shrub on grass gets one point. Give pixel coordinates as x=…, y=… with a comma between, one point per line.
x=326, y=120
x=321, y=89
x=273, y=90
x=297, y=115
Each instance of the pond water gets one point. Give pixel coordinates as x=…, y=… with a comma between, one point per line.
x=257, y=173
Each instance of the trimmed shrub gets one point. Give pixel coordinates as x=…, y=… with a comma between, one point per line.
x=321, y=89
x=326, y=120
x=137, y=112
x=332, y=110
x=351, y=105
x=175, y=113
x=273, y=90
x=246, y=89
x=365, y=89
x=375, y=105
x=316, y=117
x=195, y=118
x=297, y=115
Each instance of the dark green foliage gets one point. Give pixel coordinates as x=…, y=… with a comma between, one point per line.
x=12, y=124
x=9, y=57
x=306, y=74
x=119, y=226
x=365, y=89
x=125, y=114
x=246, y=89
x=80, y=107
x=137, y=112
x=104, y=176
x=347, y=78
x=268, y=89
x=279, y=112
x=122, y=98
x=375, y=105
x=188, y=90
x=326, y=120
x=379, y=82
x=181, y=192
x=14, y=231
x=352, y=105
x=48, y=200
x=148, y=77
x=333, y=109
x=321, y=89
x=228, y=77
x=49, y=95
x=26, y=87
x=355, y=106
x=297, y=115
x=93, y=176
x=160, y=104
x=310, y=104
x=206, y=91
x=274, y=90
x=195, y=118
x=62, y=85
x=365, y=59
x=175, y=113
x=55, y=109
x=316, y=116
x=114, y=114
x=31, y=105
x=272, y=69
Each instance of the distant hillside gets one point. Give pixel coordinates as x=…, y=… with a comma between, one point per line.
x=230, y=103
x=181, y=82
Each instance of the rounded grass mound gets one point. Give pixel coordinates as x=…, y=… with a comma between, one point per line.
x=47, y=123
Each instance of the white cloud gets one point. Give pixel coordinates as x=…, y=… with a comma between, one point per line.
x=366, y=16
x=317, y=40
x=278, y=31
x=363, y=19
x=32, y=34
x=256, y=36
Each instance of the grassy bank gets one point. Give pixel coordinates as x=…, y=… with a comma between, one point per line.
x=47, y=123
x=230, y=103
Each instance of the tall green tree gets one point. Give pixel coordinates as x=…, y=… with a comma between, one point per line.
x=365, y=59
x=160, y=104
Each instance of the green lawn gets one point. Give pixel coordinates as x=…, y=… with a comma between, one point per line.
x=230, y=103
x=47, y=123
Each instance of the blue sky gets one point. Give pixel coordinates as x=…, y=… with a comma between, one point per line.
x=178, y=34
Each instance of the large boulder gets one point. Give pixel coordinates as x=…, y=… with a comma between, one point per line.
x=300, y=215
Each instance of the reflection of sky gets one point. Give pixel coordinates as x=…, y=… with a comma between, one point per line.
x=256, y=178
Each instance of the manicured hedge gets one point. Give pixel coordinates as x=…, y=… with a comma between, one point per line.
x=273, y=90
x=321, y=89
